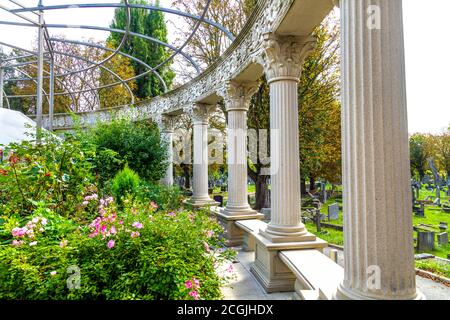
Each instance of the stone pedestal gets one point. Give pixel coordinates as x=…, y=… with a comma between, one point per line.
x=268, y=268
x=200, y=115
x=378, y=246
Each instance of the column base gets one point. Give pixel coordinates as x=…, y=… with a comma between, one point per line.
x=238, y=211
x=201, y=202
x=343, y=293
x=282, y=237
x=234, y=235
x=270, y=270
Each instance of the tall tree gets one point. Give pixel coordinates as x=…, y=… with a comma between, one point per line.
x=419, y=153
x=150, y=23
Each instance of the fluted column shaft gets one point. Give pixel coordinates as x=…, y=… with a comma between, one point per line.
x=283, y=60
x=378, y=241
x=167, y=131
x=200, y=116
x=237, y=100
x=168, y=138
x=237, y=160
x=200, y=167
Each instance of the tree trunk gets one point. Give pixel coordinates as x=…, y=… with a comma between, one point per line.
x=186, y=174
x=312, y=183
x=262, y=190
x=303, y=186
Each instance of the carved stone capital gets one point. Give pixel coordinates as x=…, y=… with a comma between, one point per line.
x=237, y=95
x=283, y=56
x=200, y=113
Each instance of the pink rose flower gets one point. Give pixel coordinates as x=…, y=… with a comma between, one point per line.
x=209, y=233
x=196, y=282
x=188, y=284
x=137, y=225
x=194, y=294
x=113, y=230
x=111, y=244
x=207, y=249
x=154, y=205
x=135, y=234
x=17, y=243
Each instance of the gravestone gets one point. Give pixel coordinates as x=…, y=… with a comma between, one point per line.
x=425, y=241
x=420, y=211
x=443, y=226
x=333, y=212
x=442, y=238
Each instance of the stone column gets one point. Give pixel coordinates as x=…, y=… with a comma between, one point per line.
x=282, y=59
x=237, y=99
x=378, y=240
x=200, y=114
x=168, y=124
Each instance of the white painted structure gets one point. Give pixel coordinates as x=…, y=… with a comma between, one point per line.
x=379, y=260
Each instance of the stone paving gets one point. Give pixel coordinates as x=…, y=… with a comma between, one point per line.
x=245, y=286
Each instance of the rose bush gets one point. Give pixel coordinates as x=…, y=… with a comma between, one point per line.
x=139, y=252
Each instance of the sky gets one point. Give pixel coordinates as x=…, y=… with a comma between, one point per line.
x=427, y=50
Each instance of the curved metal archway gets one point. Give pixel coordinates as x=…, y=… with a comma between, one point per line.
x=45, y=52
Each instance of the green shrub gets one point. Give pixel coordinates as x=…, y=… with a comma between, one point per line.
x=137, y=143
x=167, y=197
x=136, y=253
x=55, y=172
x=125, y=183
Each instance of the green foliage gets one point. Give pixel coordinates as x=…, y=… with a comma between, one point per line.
x=168, y=197
x=136, y=143
x=150, y=23
x=125, y=183
x=440, y=268
x=136, y=253
x=54, y=171
x=418, y=154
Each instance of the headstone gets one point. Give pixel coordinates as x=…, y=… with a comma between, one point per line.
x=219, y=199
x=333, y=212
x=266, y=213
x=442, y=238
x=443, y=226
x=437, y=201
x=425, y=241
x=420, y=211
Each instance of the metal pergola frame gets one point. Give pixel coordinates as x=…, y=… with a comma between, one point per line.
x=46, y=53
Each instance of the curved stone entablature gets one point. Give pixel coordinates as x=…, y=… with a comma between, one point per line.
x=240, y=61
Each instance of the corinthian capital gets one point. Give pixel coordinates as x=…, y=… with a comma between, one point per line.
x=200, y=113
x=237, y=95
x=283, y=56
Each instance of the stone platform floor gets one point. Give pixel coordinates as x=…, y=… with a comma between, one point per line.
x=245, y=286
